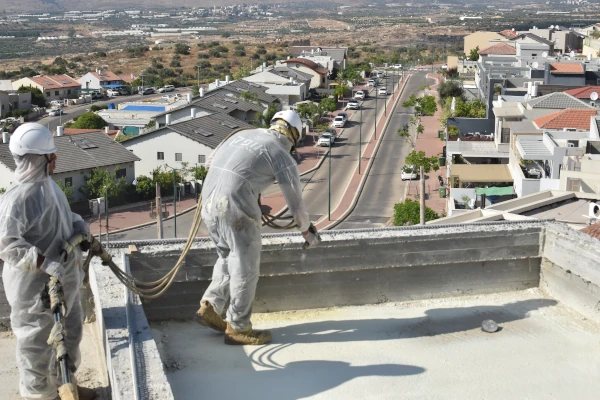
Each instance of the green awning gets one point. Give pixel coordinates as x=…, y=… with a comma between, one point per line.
x=495, y=191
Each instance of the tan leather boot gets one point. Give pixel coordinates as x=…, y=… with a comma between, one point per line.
x=248, y=337
x=207, y=316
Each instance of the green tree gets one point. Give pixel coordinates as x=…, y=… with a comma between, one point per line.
x=474, y=54
x=200, y=173
x=182, y=48
x=242, y=72
x=249, y=96
x=418, y=159
x=89, y=120
x=407, y=213
x=450, y=89
x=101, y=179
x=327, y=105
x=37, y=97
x=341, y=90
x=264, y=120
x=309, y=111
x=195, y=90
x=67, y=190
x=146, y=189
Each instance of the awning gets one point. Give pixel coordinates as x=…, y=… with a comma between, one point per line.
x=495, y=191
x=481, y=172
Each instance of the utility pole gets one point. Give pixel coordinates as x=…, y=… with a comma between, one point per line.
x=198, y=78
x=329, y=188
x=106, y=205
x=174, y=203
x=360, y=140
x=159, y=220
x=142, y=76
x=376, y=95
x=422, y=196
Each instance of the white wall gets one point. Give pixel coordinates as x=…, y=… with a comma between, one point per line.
x=78, y=177
x=89, y=81
x=316, y=81
x=168, y=142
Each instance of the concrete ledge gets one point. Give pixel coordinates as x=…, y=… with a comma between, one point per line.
x=570, y=269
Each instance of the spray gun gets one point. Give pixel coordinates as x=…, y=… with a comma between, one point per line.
x=312, y=229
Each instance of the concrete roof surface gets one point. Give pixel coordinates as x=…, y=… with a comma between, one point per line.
x=571, y=211
x=240, y=86
x=481, y=172
x=430, y=349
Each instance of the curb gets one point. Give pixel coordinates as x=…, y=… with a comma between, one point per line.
x=130, y=228
x=361, y=185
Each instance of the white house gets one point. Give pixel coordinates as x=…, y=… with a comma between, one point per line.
x=319, y=73
x=190, y=141
x=77, y=155
x=54, y=87
x=100, y=79
x=287, y=90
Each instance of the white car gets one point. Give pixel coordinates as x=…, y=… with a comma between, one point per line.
x=326, y=139
x=445, y=66
x=339, y=122
x=371, y=82
x=112, y=92
x=56, y=112
x=360, y=95
x=353, y=104
x=408, y=172
x=382, y=90
x=166, y=88
x=343, y=114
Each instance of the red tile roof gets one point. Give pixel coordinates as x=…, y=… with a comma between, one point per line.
x=55, y=81
x=509, y=33
x=500, y=49
x=128, y=78
x=564, y=119
x=583, y=92
x=592, y=230
x=566, y=68
x=310, y=64
x=74, y=131
x=106, y=76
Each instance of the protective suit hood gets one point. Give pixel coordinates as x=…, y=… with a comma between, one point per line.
x=31, y=168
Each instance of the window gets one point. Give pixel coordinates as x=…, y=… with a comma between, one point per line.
x=201, y=159
x=160, y=155
x=121, y=173
x=69, y=181
x=574, y=184
x=533, y=54
x=505, y=135
x=178, y=157
x=47, y=94
x=69, y=91
x=56, y=93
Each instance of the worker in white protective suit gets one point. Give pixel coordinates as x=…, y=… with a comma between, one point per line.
x=240, y=169
x=35, y=219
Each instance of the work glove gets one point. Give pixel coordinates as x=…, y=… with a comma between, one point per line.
x=312, y=237
x=53, y=268
x=83, y=228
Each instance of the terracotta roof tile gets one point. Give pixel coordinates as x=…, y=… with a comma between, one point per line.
x=592, y=230
x=566, y=68
x=55, y=81
x=583, y=92
x=500, y=49
x=106, y=76
x=565, y=119
x=309, y=64
x=509, y=33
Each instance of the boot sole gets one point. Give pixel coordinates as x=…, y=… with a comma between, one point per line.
x=204, y=322
x=232, y=342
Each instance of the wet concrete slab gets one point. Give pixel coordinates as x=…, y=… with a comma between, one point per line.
x=426, y=349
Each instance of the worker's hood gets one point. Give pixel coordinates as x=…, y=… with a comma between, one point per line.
x=282, y=135
x=30, y=168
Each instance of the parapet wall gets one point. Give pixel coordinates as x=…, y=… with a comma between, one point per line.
x=358, y=267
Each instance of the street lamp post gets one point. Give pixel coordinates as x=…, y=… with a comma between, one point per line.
x=142, y=76
x=360, y=141
x=106, y=210
x=376, y=95
x=174, y=200
x=329, y=186
x=198, y=78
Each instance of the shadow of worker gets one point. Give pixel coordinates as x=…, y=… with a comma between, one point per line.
x=438, y=321
x=298, y=379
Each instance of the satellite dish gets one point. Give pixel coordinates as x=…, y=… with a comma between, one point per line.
x=572, y=53
x=535, y=64
x=545, y=54
x=594, y=96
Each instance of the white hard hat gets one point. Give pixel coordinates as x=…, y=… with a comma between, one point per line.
x=32, y=138
x=292, y=118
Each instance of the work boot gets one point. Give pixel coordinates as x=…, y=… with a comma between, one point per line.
x=249, y=336
x=207, y=316
x=83, y=393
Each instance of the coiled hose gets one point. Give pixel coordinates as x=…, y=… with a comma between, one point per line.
x=155, y=289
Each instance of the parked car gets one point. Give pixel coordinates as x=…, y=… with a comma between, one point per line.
x=56, y=103
x=382, y=90
x=56, y=112
x=326, y=139
x=360, y=95
x=353, y=104
x=371, y=82
x=408, y=172
x=339, y=122
x=445, y=66
x=166, y=88
x=145, y=91
x=344, y=115
x=381, y=74
x=123, y=91
x=112, y=92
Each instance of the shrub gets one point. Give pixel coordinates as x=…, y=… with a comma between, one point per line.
x=182, y=48
x=89, y=120
x=408, y=213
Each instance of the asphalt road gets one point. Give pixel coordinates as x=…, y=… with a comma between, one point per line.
x=75, y=111
x=344, y=160
x=384, y=186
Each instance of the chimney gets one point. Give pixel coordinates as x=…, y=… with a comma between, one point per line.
x=5, y=137
x=217, y=82
x=188, y=97
x=227, y=79
x=168, y=119
x=264, y=65
x=106, y=130
x=60, y=130
x=201, y=92
x=193, y=110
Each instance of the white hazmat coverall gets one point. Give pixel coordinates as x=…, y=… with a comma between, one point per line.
x=240, y=169
x=35, y=218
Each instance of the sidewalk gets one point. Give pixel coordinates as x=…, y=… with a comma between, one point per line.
x=430, y=143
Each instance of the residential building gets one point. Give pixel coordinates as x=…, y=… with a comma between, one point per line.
x=581, y=173
x=77, y=155
x=100, y=79
x=190, y=141
x=480, y=39
x=6, y=85
x=499, y=49
x=54, y=87
x=530, y=45
x=10, y=101
x=564, y=73
x=319, y=73
x=239, y=87
x=338, y=54
x=585, y=94
x=286, y=89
